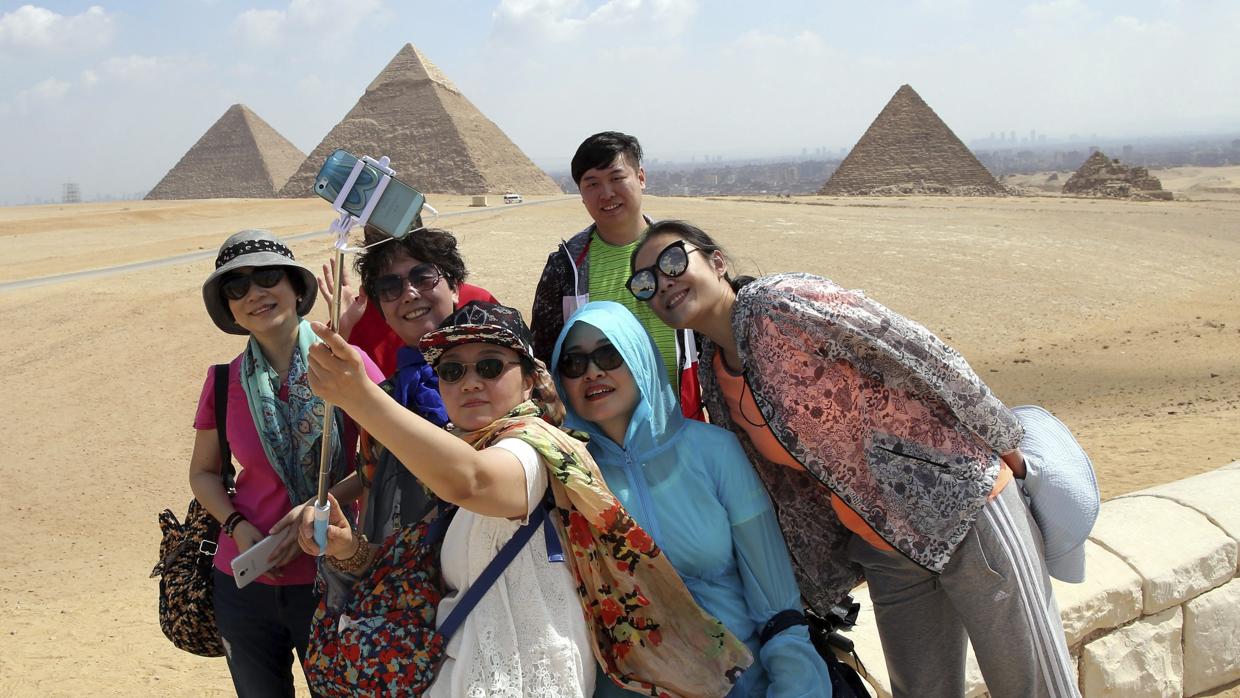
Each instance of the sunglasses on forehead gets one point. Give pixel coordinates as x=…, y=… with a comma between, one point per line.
x=422, y=278
x=574, y=364
x=672, y=261
x=236, y=286
x=488, y=369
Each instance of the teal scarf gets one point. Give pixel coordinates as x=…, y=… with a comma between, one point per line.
x=291, y=432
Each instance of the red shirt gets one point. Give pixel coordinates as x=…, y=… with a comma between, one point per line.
x=373, y=336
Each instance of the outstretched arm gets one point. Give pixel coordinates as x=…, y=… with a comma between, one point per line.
x=490, y=482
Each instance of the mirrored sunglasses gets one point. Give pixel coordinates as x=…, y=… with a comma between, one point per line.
x=422, y=278
x=671, y=262
x=488, y=369
x=236, y=286
x=575, y=363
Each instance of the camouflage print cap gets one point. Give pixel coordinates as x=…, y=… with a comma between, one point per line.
x=479, y=321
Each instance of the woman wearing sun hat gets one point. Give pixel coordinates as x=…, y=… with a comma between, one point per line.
x=274, y=430
x=610, y=595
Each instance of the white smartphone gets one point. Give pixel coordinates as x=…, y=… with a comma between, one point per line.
x=253, y=563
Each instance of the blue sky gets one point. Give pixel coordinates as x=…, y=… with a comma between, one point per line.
x=111, y=94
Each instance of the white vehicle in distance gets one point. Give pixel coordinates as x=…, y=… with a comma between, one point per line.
x=512, y=198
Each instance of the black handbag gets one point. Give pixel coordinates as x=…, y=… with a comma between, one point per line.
x=825, y=633
x=186, y=555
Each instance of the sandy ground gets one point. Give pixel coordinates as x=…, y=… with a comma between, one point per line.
x=1123, y=318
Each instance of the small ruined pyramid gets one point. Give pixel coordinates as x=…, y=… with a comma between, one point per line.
x=909, y=150
x=240, y=156
x=437, y=140
x=1102, y=176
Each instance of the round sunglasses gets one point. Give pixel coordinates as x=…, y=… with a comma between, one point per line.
x=236, y=286
x=422, y=278
x=672, y=261
x=488, y=369
x=575, y=363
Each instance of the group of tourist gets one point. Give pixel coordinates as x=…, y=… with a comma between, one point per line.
x=636, y=520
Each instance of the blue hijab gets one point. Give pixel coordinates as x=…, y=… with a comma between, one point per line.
x=691, y=486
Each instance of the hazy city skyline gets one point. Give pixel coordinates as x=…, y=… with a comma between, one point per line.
x=111, y=95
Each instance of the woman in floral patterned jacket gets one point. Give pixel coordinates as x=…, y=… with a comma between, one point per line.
x=887, y=459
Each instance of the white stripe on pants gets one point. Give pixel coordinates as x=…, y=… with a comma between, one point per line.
x=994, y=591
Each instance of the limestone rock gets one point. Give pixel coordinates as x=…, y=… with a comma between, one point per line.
x=240, y=156
x=1101, y=176
x=437, y=140
x=1140, y=660
x=1109, y=597
x=1213, y=494
x=909, y=150
x=1212, y=639
x=1177, y=551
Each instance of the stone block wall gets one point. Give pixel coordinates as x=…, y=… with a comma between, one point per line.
x=1159, y=612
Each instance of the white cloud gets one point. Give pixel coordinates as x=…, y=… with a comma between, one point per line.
x=565, y=20
x=261, y=27
x=49, y=91
x=1057, y=11
x=301, y=20
x=137, y=69
x=31, y=28
x=805, y=43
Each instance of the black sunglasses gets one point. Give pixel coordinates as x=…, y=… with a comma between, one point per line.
x=488, y=369
x=671, y=262
x=422, y=278
x=236, y=286
x=575, y=364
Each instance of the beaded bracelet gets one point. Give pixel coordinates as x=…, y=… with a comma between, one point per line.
x=357, y=561
x=230, y=524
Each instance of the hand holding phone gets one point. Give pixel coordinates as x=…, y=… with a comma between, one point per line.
x=253, y=563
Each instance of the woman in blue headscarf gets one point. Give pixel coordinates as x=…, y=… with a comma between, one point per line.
x=690, y=485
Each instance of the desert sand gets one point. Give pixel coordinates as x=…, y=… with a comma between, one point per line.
x=1123, y=318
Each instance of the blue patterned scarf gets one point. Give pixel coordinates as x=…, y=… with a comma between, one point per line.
x=291, y=432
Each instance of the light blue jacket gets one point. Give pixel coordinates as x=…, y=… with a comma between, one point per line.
x=690, y=485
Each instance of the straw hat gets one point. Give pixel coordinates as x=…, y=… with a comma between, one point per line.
x=1062, y=490
x=252, y=248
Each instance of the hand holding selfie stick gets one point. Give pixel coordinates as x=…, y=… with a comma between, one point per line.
x=341, y=227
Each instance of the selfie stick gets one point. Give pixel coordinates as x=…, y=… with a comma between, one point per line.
x=341, y=228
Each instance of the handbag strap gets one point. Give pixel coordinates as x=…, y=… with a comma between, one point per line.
x=227, y=471
x=506, y=554
x=780, y=622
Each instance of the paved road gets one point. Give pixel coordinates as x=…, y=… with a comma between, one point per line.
x=208, y=254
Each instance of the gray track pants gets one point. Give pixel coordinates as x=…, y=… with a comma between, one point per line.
x=995, y=591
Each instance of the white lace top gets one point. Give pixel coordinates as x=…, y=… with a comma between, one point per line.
x=527, y=635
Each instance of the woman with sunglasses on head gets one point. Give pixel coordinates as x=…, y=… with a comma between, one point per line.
x=361, y=320
x=274, y=430
x=692, y=487
x=588, y=584
x=886, y=457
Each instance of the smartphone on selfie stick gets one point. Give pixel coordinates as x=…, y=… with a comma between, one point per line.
x=363, y=191
x=397, y=206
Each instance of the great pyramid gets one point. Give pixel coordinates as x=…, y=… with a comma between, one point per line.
x=909, y=150
x=437, y=140
x=240, y=156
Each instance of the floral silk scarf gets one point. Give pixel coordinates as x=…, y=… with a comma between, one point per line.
x=647, y=631
x=291, y=433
